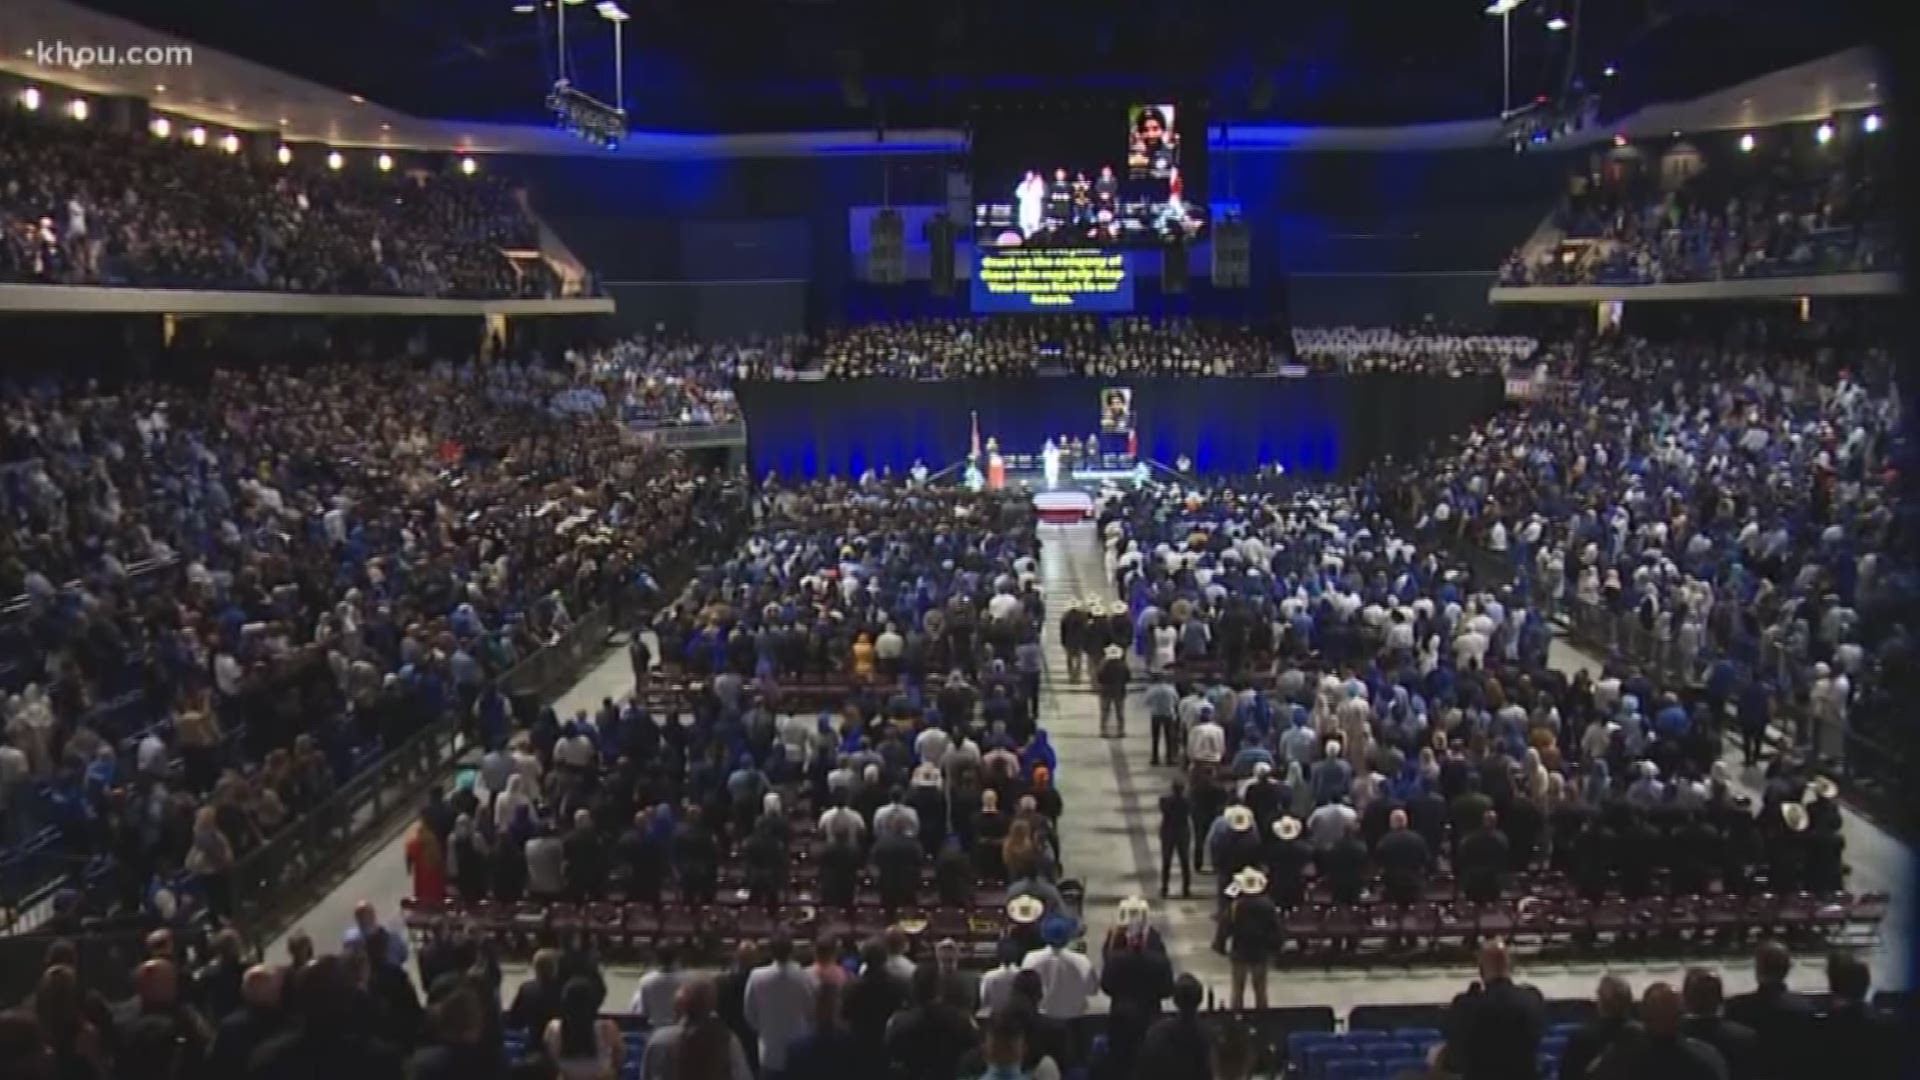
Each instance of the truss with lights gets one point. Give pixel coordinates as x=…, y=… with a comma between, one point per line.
x=575, y=110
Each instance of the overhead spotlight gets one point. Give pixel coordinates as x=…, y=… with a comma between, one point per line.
x=197, y=136
x=1746, y=144
x=610, y=11
x=161, y=127
x=30, y=99
x=1619, y=140
x=159, y=88
x=79, y=109
x=385, y=162
x=1556, y=24
x=356, y=99
x=468, y=166
x=1871, y=124
x=335, y=161
x=1823, y=134
x=230, y=143
x=284, y=155
x=1611, y=71
x=524, y=9
x=1504, y=7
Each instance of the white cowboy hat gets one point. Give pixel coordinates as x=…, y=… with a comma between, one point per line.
x=1333, y=748
x=1238, y=818
x=1134, y=909
x=1095, y=607
x=1026, y=909
x=1287, y=828
x=1793, y=816
x=1115, y=652
x=1248, y=882
x=1821, y=787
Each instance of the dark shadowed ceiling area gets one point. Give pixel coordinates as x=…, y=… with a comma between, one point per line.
x=751, y=65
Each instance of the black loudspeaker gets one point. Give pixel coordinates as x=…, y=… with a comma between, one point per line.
x=887, y=248
x=1173, y=269
x=940, y=236
x=1232, y=255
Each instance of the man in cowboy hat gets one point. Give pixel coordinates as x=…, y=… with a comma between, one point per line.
x=1234, y=845
x=1112, y=678
x=1250, y=935
x=1287, y=857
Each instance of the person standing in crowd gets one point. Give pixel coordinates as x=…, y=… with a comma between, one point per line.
x=1178, y=1047
x=1493, y=1029
x=1855, y=1037
x=1702, y=994
x=329, y=1040
x=1162, y=703
x=659, y=988
x=779, y=1004
x=1073, y=638
x=699, y=1046
x=930, y=1036
x=260, y=1017
x=1783, y=1020
x=1067, y=977
x=1112, y=677
x=1176, y=838
x=1612, y=1022
x=581, y=1044
x=829, y=1051
x=1249, y=935
x=1659, y=1048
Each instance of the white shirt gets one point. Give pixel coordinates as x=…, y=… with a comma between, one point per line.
x=779, y=1008
x=1066, y=982
x=1206, y=743
x=653, y=999
x=226, y=674
x=996, y=988
x=153, y=756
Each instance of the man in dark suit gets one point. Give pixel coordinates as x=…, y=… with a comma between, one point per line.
x=1493, y=1030
x=1404, y=858
x=1855, y=1039
x=1612, y=1023
x=1737, y=1043
x=1482, y=857
x=1783, y=1020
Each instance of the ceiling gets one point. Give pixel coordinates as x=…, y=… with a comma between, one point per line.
x=792, y=65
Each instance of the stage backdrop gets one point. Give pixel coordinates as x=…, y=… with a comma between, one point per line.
x=1325, y=425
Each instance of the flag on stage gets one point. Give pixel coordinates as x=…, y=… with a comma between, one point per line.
x=975, y=452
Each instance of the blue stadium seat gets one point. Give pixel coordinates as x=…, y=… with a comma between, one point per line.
x=1298, y=1042
x=1319, y=1056
x=1367, y=1035
x=1385, y=1050
x=1392, y=1068
x=1421, y=1037
x=1351, y=1069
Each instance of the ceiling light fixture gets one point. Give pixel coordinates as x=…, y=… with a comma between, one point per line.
x=30, y=98
x=230, y=143
x=1871, y=124
x=468, y=166
x=79, y=109
x=385, y=162
x=1556, y=24
x=285, y=155
x=161, y=127
x=1746, y=143
x=335, y=161
x=197, y=136
x=1823, y=134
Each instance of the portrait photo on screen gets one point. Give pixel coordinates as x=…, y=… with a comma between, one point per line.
x=1108, y=175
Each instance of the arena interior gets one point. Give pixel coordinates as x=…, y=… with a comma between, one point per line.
x=812, y=538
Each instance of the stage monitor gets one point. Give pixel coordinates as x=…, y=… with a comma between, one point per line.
x=1058, y=279
x=1119, y=174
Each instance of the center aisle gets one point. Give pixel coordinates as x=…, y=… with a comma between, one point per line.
x=1110, y=835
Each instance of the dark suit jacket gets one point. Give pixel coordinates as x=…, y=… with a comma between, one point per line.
x=1738, y=1044
x=1784, y=1022
x=1493, y=1032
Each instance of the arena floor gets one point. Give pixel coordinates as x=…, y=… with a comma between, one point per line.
x=1109, y=843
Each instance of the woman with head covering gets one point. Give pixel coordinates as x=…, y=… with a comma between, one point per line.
x=467, y=859
x=507, y=806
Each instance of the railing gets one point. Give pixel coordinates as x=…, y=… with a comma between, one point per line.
x=107, y=957
x=696, y=436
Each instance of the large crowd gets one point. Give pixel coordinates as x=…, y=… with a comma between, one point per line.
x=1074, y=345
x=232, y=596
x=1424, y=350
x=653, y=379
x=86, y=205
x=1780, y=208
